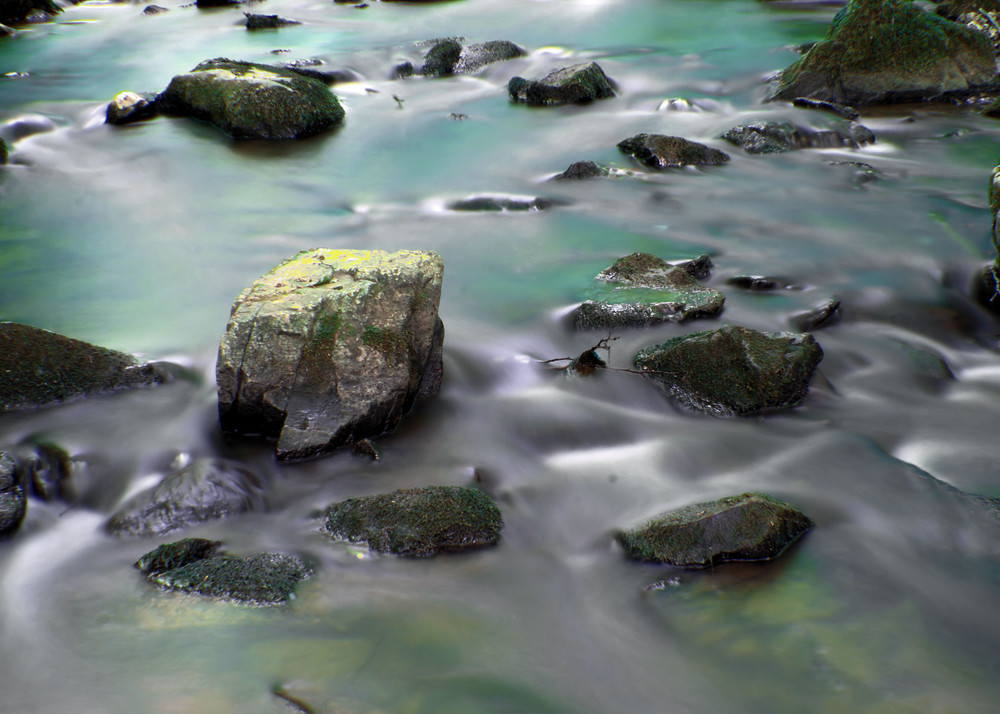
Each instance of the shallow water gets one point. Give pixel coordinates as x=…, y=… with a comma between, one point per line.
x=140, y=237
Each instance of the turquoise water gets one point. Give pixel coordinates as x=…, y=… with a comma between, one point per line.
x=140, y=238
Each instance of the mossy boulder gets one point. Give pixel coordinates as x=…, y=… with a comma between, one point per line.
x=194, y=566
x=418, y=522
x=13, y=12
x=748, y=527
x=578, y=84
x=772, y=137
x=449, y=56
x=658, y=151
x=13, y=499
x=253, y=101
x=206, y=489
x=879, y=51
x=38, y=367
x=128, y=107
x=330, y=347
x=643, y=289
x=733, y=370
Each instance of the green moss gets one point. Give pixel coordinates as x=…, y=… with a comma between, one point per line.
x=258, y=579
x=178, y=554
x=327, y=327
x=392, y=344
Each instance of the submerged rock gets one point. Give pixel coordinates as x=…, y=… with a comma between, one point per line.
x=748, y=527
x=253, y=101
x=449, y=57
x=770, y=137
x=332, y=346
x=642, y=289
x=13, y=12
x=267, y=22
x=578, y=84
x=658, y=151
x=501, y=203
x=38, y=367
x=817, y=317
x=879, y=51
x=205, y=490
x=582, y=170
x=418, y=522
x=13, y=499
x=128, y=107
x=733, y=371
x=48, y=470
x=177, y=554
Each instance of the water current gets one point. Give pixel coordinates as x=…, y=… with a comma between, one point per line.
x=139, y=238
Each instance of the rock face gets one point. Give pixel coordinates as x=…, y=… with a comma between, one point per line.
x=128, y=107
x=657, y=151
x=38, y=367
x=253, y=101
x=748, y=527
x=449, y=57
x=578, y=84
x=13, y=499
x=332, y=346
x=879, y=51
x=418, y=522
x=193, y=565
x=772, y=137
x=204, y=490
x=642, y=289
x=733, y=370
x=13, y=12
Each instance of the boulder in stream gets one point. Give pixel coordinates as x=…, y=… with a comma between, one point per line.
x=582, y=170
x=578, y=84
x=267, y=22
x=418, y=522
x=449, y=56
x=879, y=51
x=657, y=151
x=128, y=107
x=13, y=499
x=14, y=12
x=38, y=367
x=332, y=346
x=771, y=137
x=501, y=203
x=253, y=101
x=748, y=527
x=733, y=371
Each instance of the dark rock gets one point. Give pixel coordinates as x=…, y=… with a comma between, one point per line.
x=403, y=70
x=698, y=268
x=4, y=152
x=748, y=527
x=367, y=447
x=39, y=367
x=330, y=347
x=267, y=22
x=418, y=522
x=861, y=173
x=253, y=101
x=988, y=291
x=442, y=58
x=769, y=137
x=326, y=76
x=154, y=10
x=642, y=289
x=217, y=3
x=657, y=151
x=733, y=370
x=14, y=12
x=128, y=107
x=205, y=490
x=817, y=317
x=879, y=51
x=13, y=499
x=841, y=110
x=582, y=170
x=578, y=84
x=500, y=203
x=449, y=57
x=177, y=554
x=955, y=9
x=757, y=283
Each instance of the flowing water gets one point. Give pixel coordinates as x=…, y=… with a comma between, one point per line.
x=140, y=237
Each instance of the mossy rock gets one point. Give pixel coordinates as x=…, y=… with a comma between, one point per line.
x=658, y=151
x=177, y=554
x=752, y=526
x=578, y=84
x=418, y=522
x=879, y=51
x=253, y=101
x=733, y=371
x=13, y=499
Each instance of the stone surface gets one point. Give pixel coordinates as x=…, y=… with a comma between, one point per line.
x=13, y=499
x=177, y=554
x=128, y=107
x=253, y=101
x=267, y=22
x=748, y=527
x=449, y=56
x=38, y=367
x=582, y=170
x=879, y=51
x=204, y=490
x=642, y=289
x=771, y=137
x=578, y=84
x=330, y=347
x=657, y=151
x=13, y=12
x=501, y=203
x=733, y=370
x=418, y=522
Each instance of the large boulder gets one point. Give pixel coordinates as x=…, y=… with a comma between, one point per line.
x=38, y=367
x=578, y=84
x=642, y=289
x=204, y=490
x=253, y=101
x=14, y=12
x=449, y=56
x=733, y=370
x=748, y=527
x=13, y=499
x=332, y=346
x=658, y=151
x=418, y=522
x=879, y=51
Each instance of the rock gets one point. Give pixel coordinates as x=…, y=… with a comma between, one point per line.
x=769, y=137
x=330, y=347
x=733, y=370
x=841, y=110
x=367, y=447
x=582, y=170
x=192, y=566
x=988, y=291
x=879, y=51
x=500, y=203
x=217, y=3
x=578, y=84
x=642, y=289
x=757, y=283
x=205, y=490
x=48, y=469
x=442, y=58
x=402, y=70
x=449, y=57
x=253, y=101
x=267, y=22
x=14, y=12
x=698, y=268
x=4, y=152
x=154, y=10
x=860, y=172
x=326, y=76
x=748, y=527
x=418, y=522
x=657, y=151
x=128, y=107
x=817, y=317
x=13, y=499
x=38, y=367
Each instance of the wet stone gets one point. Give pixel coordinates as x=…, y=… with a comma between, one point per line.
x=578, y=84
x=267, y=22
x=819, y=316
x=13, y=499
x=14, y=12
x=657, y=151
x=177, y=554
x=770, y=137
x=582, y=170
x=752, y=526
x=154, y=10
x=501, y=203
x=128, y=107
x=449, y=56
